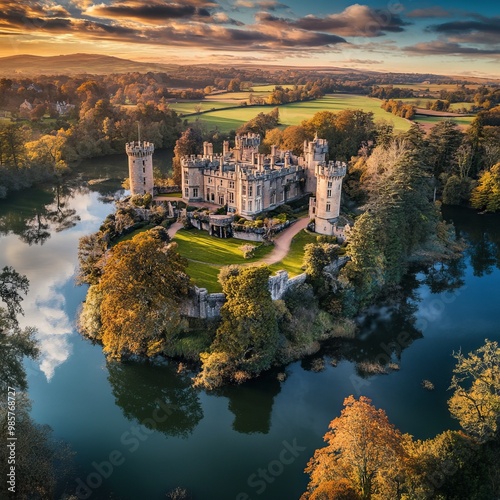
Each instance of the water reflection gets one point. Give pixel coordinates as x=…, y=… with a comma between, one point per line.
x=39, y=231
x=252, y=403
x=482, y=235
x=141, y=389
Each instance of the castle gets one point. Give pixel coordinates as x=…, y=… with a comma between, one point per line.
x=250, y=183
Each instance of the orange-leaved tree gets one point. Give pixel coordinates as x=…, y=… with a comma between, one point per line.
x=364, y=454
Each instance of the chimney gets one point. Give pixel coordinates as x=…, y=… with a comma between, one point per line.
x=210, y=149
x=287, y=159
x=273, y=150
x=205, y=148
x=260, y=162
x=225, y=148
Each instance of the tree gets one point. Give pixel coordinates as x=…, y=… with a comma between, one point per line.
x=190, y=143
x=476, y=384
x=486, y=195
x=247, y=338
x=363, y=448
x=12, y=284
x=142, y=284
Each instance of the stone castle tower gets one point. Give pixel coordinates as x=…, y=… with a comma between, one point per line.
x=325, y=207
x=140, y=166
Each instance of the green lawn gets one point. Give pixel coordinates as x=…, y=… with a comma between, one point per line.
x=206, y=255
x=293, y=114
x=294, y=260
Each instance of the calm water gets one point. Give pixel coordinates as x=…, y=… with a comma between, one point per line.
x=216, y=444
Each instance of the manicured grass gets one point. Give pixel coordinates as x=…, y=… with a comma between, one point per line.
x=199, y=245
x=295, y=113
x=295, y=258
x=207, y=254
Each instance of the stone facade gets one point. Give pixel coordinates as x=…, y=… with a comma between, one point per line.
x=140, y=166
x=250, y=183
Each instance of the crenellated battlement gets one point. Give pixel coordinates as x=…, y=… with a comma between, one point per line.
x=332, y=169
x=139, y=149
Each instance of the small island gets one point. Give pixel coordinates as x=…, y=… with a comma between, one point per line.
x=147, y=268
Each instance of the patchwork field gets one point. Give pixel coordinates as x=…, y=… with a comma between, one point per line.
x=429, y=121
x=293, y=114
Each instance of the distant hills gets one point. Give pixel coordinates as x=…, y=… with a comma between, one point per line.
x=28, y=65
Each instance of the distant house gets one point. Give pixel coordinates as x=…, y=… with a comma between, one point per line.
x=63, y=108
x=34, y=87
x=25, y=106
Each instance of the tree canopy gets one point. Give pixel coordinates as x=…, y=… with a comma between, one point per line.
x=143, y=281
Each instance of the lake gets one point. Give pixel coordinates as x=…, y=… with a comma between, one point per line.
x=140, y=430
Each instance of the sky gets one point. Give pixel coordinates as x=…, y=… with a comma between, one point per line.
x=447, y=37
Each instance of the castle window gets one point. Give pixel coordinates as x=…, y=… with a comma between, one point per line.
x=231, y=184
x=231, y=197
x=329, y=193
x=258, y=190
x=186, y=192
x=195, y=192
x=144, y=162
x=221, y=182
x=243, y=205
x=187, y=181
x=329, y=184
x=244, y=189
x=249, y=206
x=250, y=190
x=144, y=180
x=143, y=170
x=328, y=207
x=221, y=200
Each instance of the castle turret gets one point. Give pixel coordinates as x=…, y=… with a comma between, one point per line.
x=140, y=166
x=325, y=207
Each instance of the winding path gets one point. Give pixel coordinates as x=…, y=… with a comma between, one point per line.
x=281, y=243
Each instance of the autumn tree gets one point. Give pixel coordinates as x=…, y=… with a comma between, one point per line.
x=190, y=143
x=363, y=448
x=486, y=195
x=476, y=384
x=142, y=284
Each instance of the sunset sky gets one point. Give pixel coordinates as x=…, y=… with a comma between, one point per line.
x=445, y=37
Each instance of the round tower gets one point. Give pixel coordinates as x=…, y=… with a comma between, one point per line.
x=140, y=166
x=325, y=208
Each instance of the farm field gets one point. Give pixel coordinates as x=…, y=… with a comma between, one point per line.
x=432, y=87
x=429, y=121
x=294, y=113
x=421, y=102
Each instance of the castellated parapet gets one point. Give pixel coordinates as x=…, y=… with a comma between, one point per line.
x=140, y=166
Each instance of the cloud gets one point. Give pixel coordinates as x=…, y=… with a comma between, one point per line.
x=157, y=11
x=362, y=61
x=439, y=47
x=271, y=5
x=429, y=13
x=356, y=20
x=481, y=30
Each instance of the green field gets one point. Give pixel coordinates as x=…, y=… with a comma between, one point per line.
x=421, y=102
x=463, y=121
x=293, y=114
